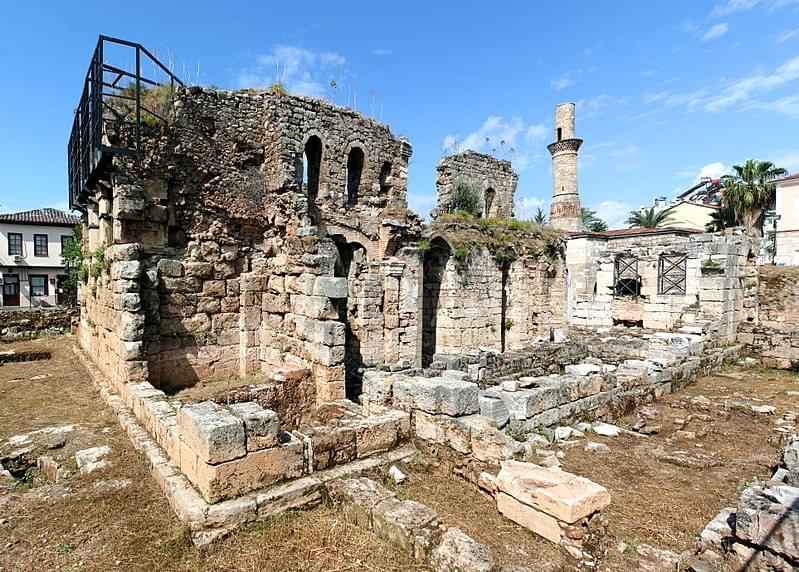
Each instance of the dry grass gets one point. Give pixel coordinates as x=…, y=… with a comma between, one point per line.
x=85, y=524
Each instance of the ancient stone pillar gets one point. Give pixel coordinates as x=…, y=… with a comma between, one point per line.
x=564, y=212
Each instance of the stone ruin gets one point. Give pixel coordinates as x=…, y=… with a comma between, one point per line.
x=266, y=239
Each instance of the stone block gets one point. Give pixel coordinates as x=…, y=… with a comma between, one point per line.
x=331, y=446
x=769, y=517
x=374, y=435
x=256, y=470
x=437, y=395
x=171, y=268
x=261, y=425
x=358, y=497
x=409, y=526
x=332, y=287
x=530, y=518
x=495, y=409
x=562, y=495
x=299, y=493
x=443, y=430
x=459, y=552
x=489, y=444
x=211, y=431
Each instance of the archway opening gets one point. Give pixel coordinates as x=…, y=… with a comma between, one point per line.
x=312, y=167
x=351, y=263
x=434, y=267
x=354, y=170
x=488, y=202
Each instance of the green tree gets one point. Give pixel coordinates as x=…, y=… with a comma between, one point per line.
x=466, y=198
x=723, y=217
x=72, y=259
x=750, y=190
x=649, y=218
x=591, y=222
x=540, y=217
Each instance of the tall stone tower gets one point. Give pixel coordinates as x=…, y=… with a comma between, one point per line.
x=564, y=212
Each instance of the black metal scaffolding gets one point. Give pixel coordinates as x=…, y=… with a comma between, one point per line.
x=88, y=147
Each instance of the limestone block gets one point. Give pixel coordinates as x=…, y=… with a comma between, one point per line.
x=488, y=443
x=303, y=492
x=358, y=497
x=530, y=518
x=560, y=494
x=211, y=431
x=582, y=369
x=256, y=470
x=768, y=516
x=375, y=434
x=377, y=386
x=459, y=552
x=443, y=430
x=409, y=526
x=126, y=270
x=437, y=395
x=331, y=446
x=718, y=530
x=214, y=288
x=494, y=408
x=331, y=287
x=316, y=307
x=261, y=425
x=171, y=268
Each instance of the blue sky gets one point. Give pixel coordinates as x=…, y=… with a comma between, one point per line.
x=665, y=90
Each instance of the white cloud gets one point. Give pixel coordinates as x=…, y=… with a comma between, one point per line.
x=732, y=6
x=619, y=157
x=786, y=35
x=743, y=89
x=649, y=72
x=712, y=170
x=613, y=212
x=300, y=70
x=592, y=106
x=379, y=52
x=526, y=207
x=507, y=138
x=788, y=105
x=715, y=32
x=562, y=82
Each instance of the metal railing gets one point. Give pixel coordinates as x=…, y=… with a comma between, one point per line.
x=103, y=92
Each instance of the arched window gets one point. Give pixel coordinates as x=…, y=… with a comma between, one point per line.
x=385, y=175
x=488, y=199
x=354, y=169
x=311, y=166
x=560, y=133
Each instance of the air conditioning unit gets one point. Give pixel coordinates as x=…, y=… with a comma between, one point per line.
x=18, y=258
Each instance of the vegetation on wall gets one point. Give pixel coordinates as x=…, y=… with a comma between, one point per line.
x=505, y=239
x=466, y=198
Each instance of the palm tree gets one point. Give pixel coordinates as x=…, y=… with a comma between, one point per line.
x=540, y=218
x=723, y=217
x=751, y=190
x=591, y=222
x=649, y=218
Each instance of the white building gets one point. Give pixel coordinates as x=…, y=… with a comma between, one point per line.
x=31, y=267
x=787, y=215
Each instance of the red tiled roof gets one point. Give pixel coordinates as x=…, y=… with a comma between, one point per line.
x=47, y=216
x=623, y=232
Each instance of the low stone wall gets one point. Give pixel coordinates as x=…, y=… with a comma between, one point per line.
x=762, y=532
x=16, y=324
x=486, y=426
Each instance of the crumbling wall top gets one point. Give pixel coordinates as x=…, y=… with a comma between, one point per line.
x=494, y=179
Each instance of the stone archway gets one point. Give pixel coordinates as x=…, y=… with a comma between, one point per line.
x=434, y=267
x=351, y=263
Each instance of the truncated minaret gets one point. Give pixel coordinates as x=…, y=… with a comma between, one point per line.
x=564, y=212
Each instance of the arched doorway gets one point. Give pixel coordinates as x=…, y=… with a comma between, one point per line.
x=435, y=263
x=351, y=263
x=488, y=202
x=354, y=169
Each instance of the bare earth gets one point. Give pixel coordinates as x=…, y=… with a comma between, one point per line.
x=117, y=519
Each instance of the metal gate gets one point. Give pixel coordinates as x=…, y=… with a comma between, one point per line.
x=627, y=281
x=671, y=274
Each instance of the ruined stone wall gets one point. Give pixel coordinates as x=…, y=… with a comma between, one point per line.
x=242, y=242
x=718, y=286
x=774, y=335
x=494, y=179
x=497, y=304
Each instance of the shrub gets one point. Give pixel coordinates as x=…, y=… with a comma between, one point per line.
x=508, y=324
x=466, y=198
x=423, y=246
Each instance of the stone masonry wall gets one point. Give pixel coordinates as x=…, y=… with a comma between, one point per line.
x=774, y=336
x=719, y=282
x=486, y=173
x=238, y=260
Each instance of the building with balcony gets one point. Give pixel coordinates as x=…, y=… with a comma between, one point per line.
x=31, y=267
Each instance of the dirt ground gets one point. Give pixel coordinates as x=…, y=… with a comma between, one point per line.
x=664, y=489
x=116, y=518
